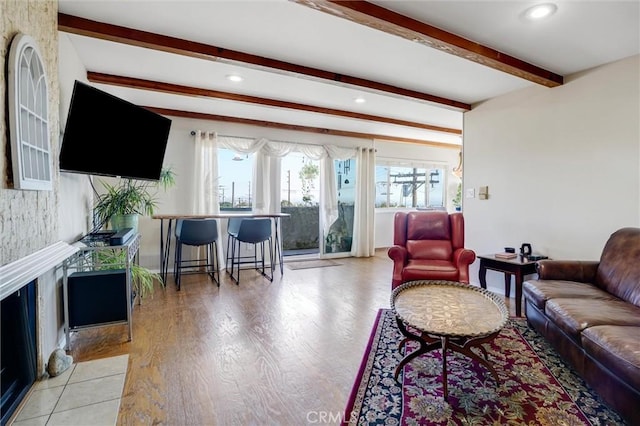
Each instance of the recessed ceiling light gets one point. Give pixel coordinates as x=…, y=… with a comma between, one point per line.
x=540, y=11
x=235, y=78
x=359, y=100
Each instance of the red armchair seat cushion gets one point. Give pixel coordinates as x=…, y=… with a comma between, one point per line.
x=417, y=269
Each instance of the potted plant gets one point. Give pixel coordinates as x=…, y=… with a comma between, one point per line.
x=122, y=203
x=142, y=279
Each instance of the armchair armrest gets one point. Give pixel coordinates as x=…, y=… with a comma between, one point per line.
x=462, y=258
x=567, y=270
x=399, y=256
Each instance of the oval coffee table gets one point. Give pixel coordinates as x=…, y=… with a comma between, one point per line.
x=447, y=315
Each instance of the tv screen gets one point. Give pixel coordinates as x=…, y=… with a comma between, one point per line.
x=108, y=136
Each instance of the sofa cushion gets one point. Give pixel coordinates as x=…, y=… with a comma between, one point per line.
x=617, y=348
x=619, y=269
x=538, y=292
x=574, y=315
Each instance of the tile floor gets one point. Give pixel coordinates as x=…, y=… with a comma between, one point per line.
x=88, y=393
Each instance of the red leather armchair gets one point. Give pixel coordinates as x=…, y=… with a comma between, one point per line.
x=429, y=245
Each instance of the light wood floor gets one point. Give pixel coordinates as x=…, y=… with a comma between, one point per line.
x=261, y=353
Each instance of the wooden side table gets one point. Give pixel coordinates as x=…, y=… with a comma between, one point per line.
x=519, y=266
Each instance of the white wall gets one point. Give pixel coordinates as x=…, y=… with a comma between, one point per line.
x=562, y=166
x=74, y=205
x=76, y=196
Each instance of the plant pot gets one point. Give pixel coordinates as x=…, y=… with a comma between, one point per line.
x=122, y=221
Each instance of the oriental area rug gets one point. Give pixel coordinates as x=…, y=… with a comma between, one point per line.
x=536, y=387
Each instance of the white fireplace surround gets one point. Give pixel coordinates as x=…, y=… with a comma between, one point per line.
x=15, y=275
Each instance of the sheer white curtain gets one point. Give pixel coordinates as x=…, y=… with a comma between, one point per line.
x=261, y=168
x=364, y=215
x=205, y=180
x=205, y=176
x=267, y=170
x=266, y=182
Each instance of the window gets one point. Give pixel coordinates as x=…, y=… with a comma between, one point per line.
x=300, y=183
x=234, y=181
x=402, y=186
x=28, y=116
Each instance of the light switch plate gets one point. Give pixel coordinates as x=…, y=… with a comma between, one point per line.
x=483, y=192
x=470, y=193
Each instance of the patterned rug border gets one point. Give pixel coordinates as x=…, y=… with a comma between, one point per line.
x=586, y=402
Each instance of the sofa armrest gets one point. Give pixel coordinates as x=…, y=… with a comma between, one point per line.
x=567, y=270
x=399, y=256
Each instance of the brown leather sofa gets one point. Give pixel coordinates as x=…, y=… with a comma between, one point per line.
x=589, y=311
x=429, y=245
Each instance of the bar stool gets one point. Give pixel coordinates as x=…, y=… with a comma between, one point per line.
x=233, y=226
x=197, y=233
x=252, y=231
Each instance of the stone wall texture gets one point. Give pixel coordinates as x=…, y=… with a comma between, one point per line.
x=28, y=219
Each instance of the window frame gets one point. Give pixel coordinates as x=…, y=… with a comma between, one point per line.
x=427, y=166
x=29, y=126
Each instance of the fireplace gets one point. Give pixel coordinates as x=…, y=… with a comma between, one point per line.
x=18, y=348
x=25, y=286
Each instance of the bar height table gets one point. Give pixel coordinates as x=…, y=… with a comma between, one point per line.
x=165, y=236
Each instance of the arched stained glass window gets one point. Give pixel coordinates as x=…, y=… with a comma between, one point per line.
x=29, y=116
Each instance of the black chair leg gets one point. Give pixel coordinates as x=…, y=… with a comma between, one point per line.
x=229, y=249
x=271, y=259
x=212, y=262
x=179, y=264
x=234, y=262
x=217, y=263
x=255, y=256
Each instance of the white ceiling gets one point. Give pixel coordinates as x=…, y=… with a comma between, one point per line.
x=581, y=35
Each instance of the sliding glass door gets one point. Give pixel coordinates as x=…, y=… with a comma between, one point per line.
x=339, y=237
x=300, y=197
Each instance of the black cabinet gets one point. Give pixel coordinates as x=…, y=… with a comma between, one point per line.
x=97, y=297
x=97, y=285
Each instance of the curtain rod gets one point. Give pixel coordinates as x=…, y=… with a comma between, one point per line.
x=193, y=133
x=438, y=162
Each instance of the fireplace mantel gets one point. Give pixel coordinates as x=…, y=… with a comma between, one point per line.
x=15, y=275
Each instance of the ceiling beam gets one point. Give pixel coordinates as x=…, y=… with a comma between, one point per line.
x=390, y=22
x=298, y=128
x=81, y=26
x=136, y=83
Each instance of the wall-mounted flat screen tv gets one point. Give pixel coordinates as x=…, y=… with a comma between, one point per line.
x=108, y=136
